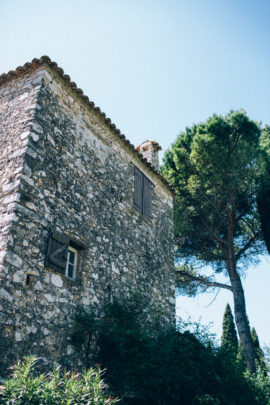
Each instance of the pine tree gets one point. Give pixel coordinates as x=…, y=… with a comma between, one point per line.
x=215, y=168
x=259, y=353
x=229, y=341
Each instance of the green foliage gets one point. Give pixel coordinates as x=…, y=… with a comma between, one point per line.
x=163, y=366
x=26, y=387
x=214, y=168
x=266, y=351
x=260, y=358
x=260, y=384
x=263, y=196
x=229, y=341
x=84, y=334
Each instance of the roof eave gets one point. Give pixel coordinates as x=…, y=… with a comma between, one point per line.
x=45, y=60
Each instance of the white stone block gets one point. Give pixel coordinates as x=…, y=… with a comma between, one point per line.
x=57, y=280
x=4, y=294
x=7, y=188
x=2, y=255
x=14, y=259
x=29, y=151
x=31, y=329
x=27, y=170
x=38, y=285
x=171, y=300
x=34, y=136
x=18, y=337
x=25, y=134
x=18, y=153
x=70, y=350
x=86, y=301
x=18, y=277
x=37, y=128
x=50, y=139
x=49, y=297
x=27, y=179
x=23, y=96
x=10, y=198
x=115, y=269
x=31, y=206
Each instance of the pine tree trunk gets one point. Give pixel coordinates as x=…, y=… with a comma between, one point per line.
x=240, y=314
x=242, y=320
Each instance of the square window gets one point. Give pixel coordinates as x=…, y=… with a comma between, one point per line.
x=62, y=254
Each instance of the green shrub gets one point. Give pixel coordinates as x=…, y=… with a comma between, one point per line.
x=165, y=366
x=26, y=387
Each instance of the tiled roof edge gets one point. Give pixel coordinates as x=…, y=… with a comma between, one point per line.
x=20, y=70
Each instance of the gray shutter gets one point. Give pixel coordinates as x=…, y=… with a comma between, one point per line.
x=57, y=251
x=147, y=197
x=138, y=191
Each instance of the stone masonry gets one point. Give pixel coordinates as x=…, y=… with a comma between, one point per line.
x=149, y=150
x=65, y=167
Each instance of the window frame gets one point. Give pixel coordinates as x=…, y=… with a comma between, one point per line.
x=57, y=256
x=74, y=265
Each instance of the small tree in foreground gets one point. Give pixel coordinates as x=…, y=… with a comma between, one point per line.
x=26, y=387
x=229, y=341
x=260, y=358
x=165, y=366
x=215, y=168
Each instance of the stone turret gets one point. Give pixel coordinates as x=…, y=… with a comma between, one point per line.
x=149, y=150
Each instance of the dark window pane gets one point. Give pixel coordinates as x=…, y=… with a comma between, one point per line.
x=70, y=270
x=147, y=198
x=138, y=190
x=71, y=256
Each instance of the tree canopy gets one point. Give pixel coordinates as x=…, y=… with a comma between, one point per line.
x=263, y=198
x=216, y=169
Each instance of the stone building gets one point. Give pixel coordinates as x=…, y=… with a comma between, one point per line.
x=84, y=217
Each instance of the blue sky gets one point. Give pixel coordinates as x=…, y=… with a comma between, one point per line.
x=155, y=67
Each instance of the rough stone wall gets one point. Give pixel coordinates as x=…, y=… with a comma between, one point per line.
x=70, y=173
x=17, y=108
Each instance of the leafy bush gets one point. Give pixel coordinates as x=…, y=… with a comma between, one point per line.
x=169, y=366
x=55, y=388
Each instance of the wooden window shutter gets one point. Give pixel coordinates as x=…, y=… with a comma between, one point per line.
x=57, y=251
x=147, y=197
x=138, y=191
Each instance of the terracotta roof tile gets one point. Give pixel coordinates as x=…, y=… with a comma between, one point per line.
x=45, y=60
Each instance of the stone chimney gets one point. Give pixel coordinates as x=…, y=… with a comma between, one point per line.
x=149, y=150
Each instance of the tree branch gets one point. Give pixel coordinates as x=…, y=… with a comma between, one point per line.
x=247, y=245
x=212, y=232
x=204, y=194
x=204, y=280
x=240, y=216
